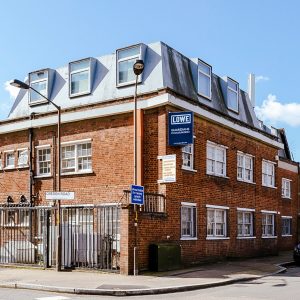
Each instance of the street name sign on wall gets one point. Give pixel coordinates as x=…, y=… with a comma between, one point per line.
x=168, y=168
x=180, y=128
x=137, y=195
x=60, y=195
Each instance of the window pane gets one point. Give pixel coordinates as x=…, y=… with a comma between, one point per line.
x=85, y=64
x=232, y=85
x=40, y=87
x=126, y=73
x=232, y=100
x=80, y=82
x=204, y=68
x=135, y=51
x=38, y=76
x=204, y=86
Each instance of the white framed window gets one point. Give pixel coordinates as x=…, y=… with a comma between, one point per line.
x=39, y=81
x=204, y=79
x=286, y=188
x=188, y=156
x=9, y=159
x=44, y=161
x=22, y=158
x=126, y=58
x=244, y=167
x=268, y=224
x=232, y=95
x=268, y=173
x=188, y=220
x=80, y=77
x=216, y=222
x=215, y=159
x=76, y=158
x=245, y=223
x=286, y=226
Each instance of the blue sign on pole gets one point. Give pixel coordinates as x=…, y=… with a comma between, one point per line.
x=181, y=128
x=137, y=194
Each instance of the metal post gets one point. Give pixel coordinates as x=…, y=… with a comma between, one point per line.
x=59, y=240
x=135, y=267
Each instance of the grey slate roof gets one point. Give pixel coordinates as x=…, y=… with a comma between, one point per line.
x=164, y=68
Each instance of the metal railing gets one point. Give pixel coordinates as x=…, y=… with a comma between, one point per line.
x=153, y=202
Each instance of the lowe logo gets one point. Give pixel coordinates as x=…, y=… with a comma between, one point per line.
x=181, y=119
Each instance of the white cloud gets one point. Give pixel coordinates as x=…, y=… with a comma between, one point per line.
x=274, y=112
x=12, y=90
x=261, y=78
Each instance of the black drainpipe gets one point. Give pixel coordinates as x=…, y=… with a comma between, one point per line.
x=31, y=164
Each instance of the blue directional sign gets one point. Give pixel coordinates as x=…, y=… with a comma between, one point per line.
x=181, y=128
x=137, y=195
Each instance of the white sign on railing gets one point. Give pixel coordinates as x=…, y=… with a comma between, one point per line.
x=60, y=195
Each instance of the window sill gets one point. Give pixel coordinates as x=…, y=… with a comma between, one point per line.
x=188, y=169
x=245, y=181
x=216, y=175
x=37, y=102
x=245, y=237
x=188, y=239
x=129, y=83
x=269, y=186
x=43, y=176
x=204, y=96
x=269, y=237
x=79, y=94
x=23, y=167
x=215, y=238
x=286, y=198
x=77, y=173
x=287, y=235
x=9, y=168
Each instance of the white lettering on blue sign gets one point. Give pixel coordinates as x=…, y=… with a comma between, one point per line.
x=181, y=119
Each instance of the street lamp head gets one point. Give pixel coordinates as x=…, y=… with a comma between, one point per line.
x=19, y=84
x=138, y=67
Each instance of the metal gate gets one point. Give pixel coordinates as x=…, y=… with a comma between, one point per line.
x=90, y=236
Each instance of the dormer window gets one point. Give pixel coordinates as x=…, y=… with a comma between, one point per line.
x=126, y=58
x=204, y=79
x=232, y=95
x=80, y=77
x=39, y=81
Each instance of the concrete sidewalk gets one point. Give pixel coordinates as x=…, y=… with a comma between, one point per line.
x=98, y=283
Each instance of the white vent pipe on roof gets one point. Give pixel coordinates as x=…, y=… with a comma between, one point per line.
x=251, y=88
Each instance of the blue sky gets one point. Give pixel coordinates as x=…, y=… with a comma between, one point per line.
x=236, y=37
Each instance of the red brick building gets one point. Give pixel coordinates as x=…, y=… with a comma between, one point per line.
x=236, y=187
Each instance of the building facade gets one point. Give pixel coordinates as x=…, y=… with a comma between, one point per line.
x=236, y=187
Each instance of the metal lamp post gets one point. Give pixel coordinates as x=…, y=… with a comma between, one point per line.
x=22, y=85
x=138, y=69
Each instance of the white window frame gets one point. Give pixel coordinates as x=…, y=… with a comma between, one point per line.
x=245, y=211
x=137, y=56
x=76, y=158
x=23, y=165
x=270, y=168
x=236, y=92
x=31, y=82
x=41, y=148
x=89, y=68
x=243, y=167
x=215, y=209
x=193, y=222
x=286, y=188
x=265, y=215
x=202, y=73
x=214, y=159
x=289, y=227
x=6, y=153
x=191, y=155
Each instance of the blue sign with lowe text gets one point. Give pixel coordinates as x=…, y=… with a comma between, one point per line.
x=137, y=195
x=181, y=128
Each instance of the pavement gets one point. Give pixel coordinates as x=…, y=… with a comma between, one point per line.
x=100, y=283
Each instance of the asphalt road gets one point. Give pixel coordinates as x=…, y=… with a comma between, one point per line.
x=284, y=286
